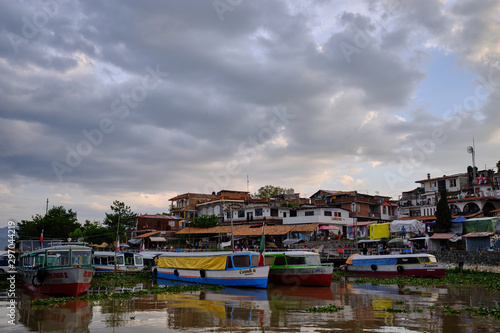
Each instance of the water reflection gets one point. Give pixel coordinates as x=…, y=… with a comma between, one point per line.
x=279, y=308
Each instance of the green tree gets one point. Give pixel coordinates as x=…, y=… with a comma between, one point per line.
x=95, y=233
x=269, y=191
x=443, y=214
x=498, y=166
x=205, y=221
x=120, y=213
x=57, y=223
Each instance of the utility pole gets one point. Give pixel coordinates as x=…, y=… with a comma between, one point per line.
x=47, y=207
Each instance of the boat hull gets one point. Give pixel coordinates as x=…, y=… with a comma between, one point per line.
x=303, y=276
x=70, y=281
x=255, y=277
x=387, y=271
x=119, y=269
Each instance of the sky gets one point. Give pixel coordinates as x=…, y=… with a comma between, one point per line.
x=142, y=101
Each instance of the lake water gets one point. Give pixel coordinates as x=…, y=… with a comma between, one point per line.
x=276, y=309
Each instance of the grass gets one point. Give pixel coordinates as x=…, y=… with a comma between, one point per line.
x=120, y=279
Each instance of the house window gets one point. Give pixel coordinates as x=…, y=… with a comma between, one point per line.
x=228, y=214
x=385, y=210
x=293, y=213
x=274, y=212
x=453, y=182
x=284, y=214
x=241, y=213
x=309, y=213
x=258, y=212
x=328, y=213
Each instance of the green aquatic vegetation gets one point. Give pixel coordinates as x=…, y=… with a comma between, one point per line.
x=433, y=307
x=454, y=278
x=486, y=311
x=126, y=294
x=392, y=310
x=119, y=279
x=450, y=311
x=329, y=308
x=399, y=302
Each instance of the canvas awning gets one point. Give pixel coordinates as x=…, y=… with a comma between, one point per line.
x=442, y=236
x=291, y=241
x=157, y=239
x=328, y=227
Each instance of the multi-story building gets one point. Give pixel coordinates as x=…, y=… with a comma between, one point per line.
x=363, y=207
x=466, y=195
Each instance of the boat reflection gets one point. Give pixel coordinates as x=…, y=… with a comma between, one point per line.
x=72, y=316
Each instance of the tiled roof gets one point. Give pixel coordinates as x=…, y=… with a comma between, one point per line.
x=442, y=236
x=246, y=230
x=147, y=234
x=479, y=234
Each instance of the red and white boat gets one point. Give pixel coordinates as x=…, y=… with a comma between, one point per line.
x=300, y=268
x=391, y=265
x=64, y=270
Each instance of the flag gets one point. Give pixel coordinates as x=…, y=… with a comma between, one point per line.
x=143, y=248
x=118, y=245
x=261, y=248
x=41, y=237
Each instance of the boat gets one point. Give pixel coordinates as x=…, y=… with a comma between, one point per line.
x=126, y=262
x=65, y=270
x=298, y=268
x=227, y=268
x=391, y=265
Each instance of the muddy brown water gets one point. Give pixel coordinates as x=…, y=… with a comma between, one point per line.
x=275, y=309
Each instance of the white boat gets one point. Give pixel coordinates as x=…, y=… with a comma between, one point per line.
x=235, y=269
x=126, y=262
x=65, y=269
x=392, y=265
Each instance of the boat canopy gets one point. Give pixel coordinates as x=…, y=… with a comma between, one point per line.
x=193, y=262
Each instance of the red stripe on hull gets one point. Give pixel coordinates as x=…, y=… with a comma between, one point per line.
x=301, y=279
x=71, y=289
x=410, y=273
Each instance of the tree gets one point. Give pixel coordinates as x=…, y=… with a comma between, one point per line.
x=205, y=221
x=498, y=166
x=443, y=214
x=122, y=213
x=269, y=191
x=57, y=223
x=95, y=233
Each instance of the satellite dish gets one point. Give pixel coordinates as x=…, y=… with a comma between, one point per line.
x=470, y=150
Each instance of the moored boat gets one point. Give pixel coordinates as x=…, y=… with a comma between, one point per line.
x=126, y=262
x=298, y=268
x=65, y=270
x=417, y=265
x=234, y=269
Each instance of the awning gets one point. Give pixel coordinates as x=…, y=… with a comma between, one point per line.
x=157, y=239
x=328, y=227
x=134, y=241
x=291, y=241
x=442, y=236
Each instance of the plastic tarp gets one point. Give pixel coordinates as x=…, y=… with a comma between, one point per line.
x=291, y=241
x=414, y=226
x=484, y=224
x=459, y=219
x=185, y=262
x=379, y=230
x=457, y=228
x=134, y=240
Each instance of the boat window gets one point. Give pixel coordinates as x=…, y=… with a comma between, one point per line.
x=255, y=260
x=424, y=259
x=295, y=260
x=119, y=260
x=81, y=257
x=129, y=259
x=138, y=260
x=408, y=260
x=241, y=261
x=313, y=260
x=104, y=260
x=111, y=260
x=280, y=261
x=39, y=260
x=229, y=263
x=96, y=260
x=269, y=260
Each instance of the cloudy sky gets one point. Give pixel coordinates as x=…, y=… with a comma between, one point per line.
x=139, y=101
